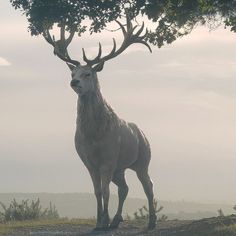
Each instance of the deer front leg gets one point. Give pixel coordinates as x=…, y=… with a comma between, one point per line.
x=96, y=178
x=106, y=176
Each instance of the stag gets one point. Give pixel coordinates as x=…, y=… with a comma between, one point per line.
x=106, y=144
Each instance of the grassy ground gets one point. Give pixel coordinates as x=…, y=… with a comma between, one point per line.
x=217, y=226
x=18, y=226
x=225, y=230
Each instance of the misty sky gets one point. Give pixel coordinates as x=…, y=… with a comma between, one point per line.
x=182, y=96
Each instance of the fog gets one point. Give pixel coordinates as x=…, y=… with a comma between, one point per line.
x=182, y=96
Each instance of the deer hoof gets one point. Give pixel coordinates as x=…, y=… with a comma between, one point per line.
x=100, y=229
x=116, y=221
x=152, y=223
x=105, y=221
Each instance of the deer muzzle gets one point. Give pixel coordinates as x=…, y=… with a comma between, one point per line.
x=74, y=82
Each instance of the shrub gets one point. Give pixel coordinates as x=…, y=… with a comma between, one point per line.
x=27, y=211
x=221, y=213
x=143, y=212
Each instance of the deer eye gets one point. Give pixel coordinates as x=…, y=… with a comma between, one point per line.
x=87, y=74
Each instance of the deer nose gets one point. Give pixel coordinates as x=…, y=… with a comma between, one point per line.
x=74, y=82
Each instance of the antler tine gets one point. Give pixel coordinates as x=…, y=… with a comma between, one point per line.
x=60, y=46
x=63, y=38
x=114, y=47
x=133, y=29
x=140, y=30
x=64, y=43
x=146, y=44
x=84, y=57
x=136, y=38
x=129, y=23
x=62, y=32
x=47, y=36
x=129, y=38
x=96, y=59
x=99, y=53
x=139, y=39
x=122, y=27
x=69, y=39
x=143, y=36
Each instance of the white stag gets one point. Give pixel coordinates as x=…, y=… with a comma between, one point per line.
x=106, y=144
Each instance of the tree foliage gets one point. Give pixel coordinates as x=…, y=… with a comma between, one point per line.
x=172, y=18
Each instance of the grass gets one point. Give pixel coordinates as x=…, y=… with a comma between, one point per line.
x=218, y=231
x=225, y=231
x=188, y=230
x=6, y=228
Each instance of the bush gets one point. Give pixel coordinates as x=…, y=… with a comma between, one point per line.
x=143, y=212
x=221, y=213
x=27, y=211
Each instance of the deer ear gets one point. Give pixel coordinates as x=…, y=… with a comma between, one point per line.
x=99, y=66
x=72, y=67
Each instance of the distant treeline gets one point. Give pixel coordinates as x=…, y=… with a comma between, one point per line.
x=83, y=205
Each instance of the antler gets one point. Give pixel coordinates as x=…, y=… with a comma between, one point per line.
x=129, y=38
x=60, y=46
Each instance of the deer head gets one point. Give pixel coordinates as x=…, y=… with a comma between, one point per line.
x=84, y=77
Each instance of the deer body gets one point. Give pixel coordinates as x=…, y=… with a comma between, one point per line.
x=102, y=137
x=106, y=144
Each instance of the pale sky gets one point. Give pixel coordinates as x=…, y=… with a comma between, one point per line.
x=183, y=96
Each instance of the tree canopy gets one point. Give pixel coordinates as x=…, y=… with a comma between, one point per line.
x=171, y=18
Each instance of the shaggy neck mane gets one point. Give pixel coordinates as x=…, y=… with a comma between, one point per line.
x=94, y=116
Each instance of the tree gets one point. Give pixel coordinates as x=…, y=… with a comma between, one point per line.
x=220, y=11
x=172, y=18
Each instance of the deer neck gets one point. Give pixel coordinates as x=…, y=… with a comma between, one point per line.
x=94, y=115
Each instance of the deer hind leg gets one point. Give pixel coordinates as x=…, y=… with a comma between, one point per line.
x=148, y=189
x=119, y=180
x=96, y=178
